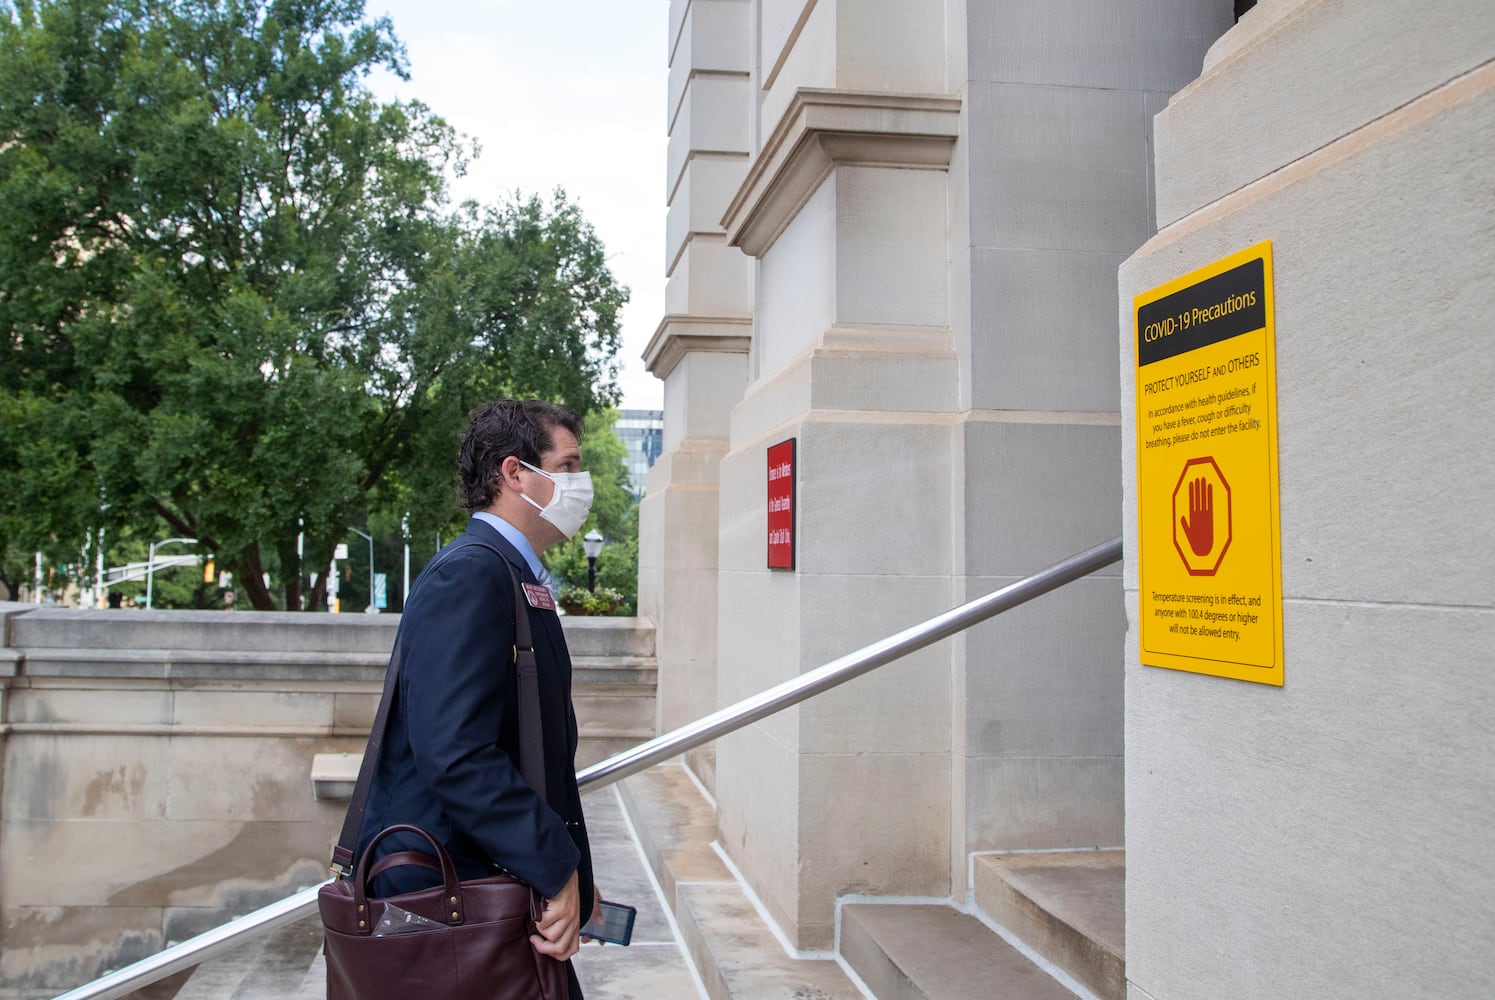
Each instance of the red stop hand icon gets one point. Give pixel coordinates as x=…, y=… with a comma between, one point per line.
x=1199, y=526
x=1202, y=517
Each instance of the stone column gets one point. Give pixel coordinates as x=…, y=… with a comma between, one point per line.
x=699, y=350
x=939, y=197
x=1333, y=834
x=1052, y=192
x=845, y=213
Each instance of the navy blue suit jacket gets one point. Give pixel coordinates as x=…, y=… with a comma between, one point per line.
x=450, y=760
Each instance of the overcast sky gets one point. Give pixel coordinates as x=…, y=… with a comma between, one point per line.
x=561, y=93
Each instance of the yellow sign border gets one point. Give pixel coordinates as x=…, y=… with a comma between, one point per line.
x=1271, y=590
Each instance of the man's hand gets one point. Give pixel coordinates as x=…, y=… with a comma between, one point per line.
x=560, y=924
x=596, y=913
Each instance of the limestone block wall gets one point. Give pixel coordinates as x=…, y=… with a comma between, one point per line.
x=157, y=766
x=1054, y=191
x=844, y=213
x=848, y=792
x=937, y=199
x=1329, y=838
x=157, y=774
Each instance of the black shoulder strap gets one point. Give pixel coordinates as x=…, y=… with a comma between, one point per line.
x=531, y=726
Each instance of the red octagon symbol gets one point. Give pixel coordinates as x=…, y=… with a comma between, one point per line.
x=1197, y=516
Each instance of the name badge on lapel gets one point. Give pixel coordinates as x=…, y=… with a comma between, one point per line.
x=539, y=596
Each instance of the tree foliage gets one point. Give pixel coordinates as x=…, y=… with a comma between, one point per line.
x=234, y=296
x=614, y=516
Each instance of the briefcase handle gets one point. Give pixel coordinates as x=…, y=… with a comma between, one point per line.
x=448, y=870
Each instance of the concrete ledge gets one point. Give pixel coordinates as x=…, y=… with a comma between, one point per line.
x=265, y=631
x=588, y=636
x=677, y=335
x=1270, y=68
x=205, y=664
x=273, y=968
x=10, y=610
x=333, y=775
x=935, y=952
x=181, y=739
x=823, y=128
x=1068, y=906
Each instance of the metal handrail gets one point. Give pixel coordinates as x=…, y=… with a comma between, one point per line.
x=852, y=665
x=199, y=949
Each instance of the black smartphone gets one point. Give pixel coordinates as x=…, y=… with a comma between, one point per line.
x=615, y=925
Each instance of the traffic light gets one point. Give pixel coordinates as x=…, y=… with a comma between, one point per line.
x=207, y=571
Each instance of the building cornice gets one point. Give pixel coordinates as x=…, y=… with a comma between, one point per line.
x=678, y=335
x=822, y=129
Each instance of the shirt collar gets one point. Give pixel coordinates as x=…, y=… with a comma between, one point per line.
x=514, y=537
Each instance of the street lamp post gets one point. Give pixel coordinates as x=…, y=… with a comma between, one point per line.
x=150, y=567
x=370, y=610
x=591, y=543
x=405, y=534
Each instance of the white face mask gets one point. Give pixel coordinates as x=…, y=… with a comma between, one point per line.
x=571, y=502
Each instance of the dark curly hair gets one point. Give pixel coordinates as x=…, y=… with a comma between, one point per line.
x=519, y=427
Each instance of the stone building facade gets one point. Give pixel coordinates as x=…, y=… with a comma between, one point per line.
x=895, y=233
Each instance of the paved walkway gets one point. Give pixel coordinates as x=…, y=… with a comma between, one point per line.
x=654, y=966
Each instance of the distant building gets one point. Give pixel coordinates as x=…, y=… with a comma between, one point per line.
x=642, y=432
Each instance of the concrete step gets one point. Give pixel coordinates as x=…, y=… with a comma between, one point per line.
x=735, y=952
x=614, y=699
x=614, y=709
x=595, y=749
x=314, y=985
x=1069, y=907
x=613, y=669
x=273, y=968
x=675, y=825
x=934, y=952
x=653, y=967
x=738, y=956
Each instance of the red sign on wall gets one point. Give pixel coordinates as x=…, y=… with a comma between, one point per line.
x=781, y=505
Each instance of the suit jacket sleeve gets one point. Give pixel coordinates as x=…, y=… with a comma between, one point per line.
x=455, y=680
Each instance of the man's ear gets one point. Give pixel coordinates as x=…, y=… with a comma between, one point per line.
x=508, y=474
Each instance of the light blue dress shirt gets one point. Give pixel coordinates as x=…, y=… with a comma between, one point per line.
x=516, y=538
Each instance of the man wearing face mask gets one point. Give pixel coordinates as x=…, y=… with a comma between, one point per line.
x=450, y=759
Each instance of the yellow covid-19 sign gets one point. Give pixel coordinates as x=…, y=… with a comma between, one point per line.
x=1209, y=554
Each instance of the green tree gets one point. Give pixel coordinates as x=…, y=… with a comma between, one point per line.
x=614, y=516
x=236, y=306
x=517, y=302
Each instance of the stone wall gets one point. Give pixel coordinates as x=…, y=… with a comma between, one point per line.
x=934, y=198
x=158, y=765
x=1054, y=188
x=1330, y=838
